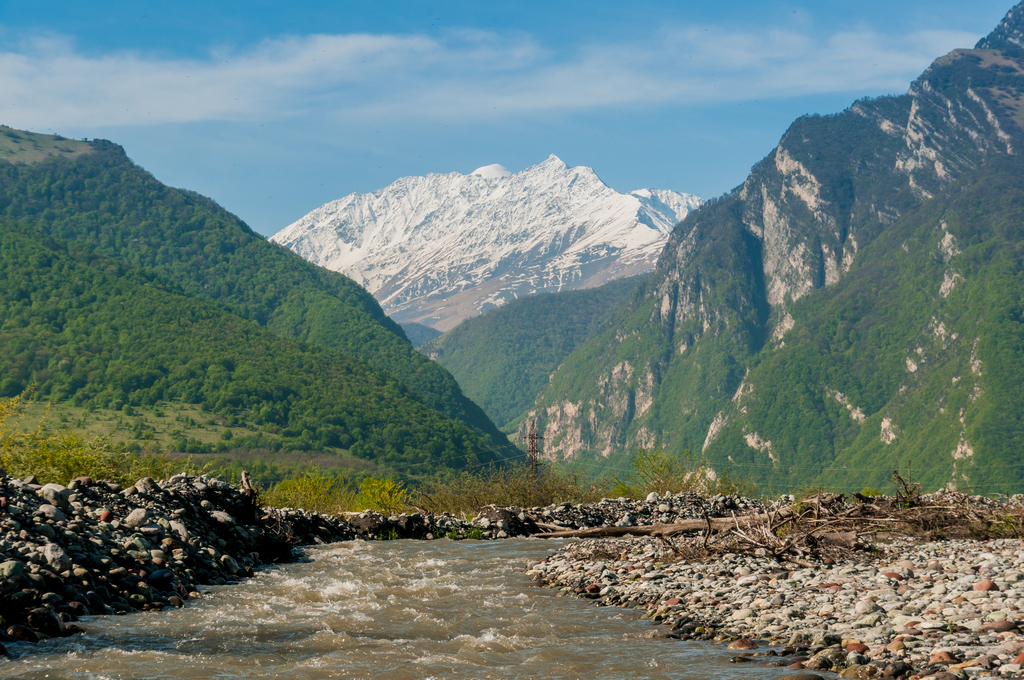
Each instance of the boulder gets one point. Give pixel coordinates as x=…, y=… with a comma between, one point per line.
x=56, y=557
x=137, y=517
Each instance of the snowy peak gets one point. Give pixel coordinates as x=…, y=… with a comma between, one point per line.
x=493, y=171
x=445, y=247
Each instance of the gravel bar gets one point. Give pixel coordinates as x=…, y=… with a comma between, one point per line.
x=949, y=609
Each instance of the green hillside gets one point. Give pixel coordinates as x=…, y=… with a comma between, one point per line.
x=903, y=371
x=853, y=308
x=419, y=334
x=91, y=331
x=504, y=357
x=103, y=201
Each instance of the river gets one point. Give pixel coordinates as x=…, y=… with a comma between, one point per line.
x=397, y=610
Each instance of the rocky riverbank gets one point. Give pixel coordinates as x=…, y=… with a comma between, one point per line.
x=92, y=547
x=493, y=522
x=945, y=609
x=96, y=548
x=949, y=609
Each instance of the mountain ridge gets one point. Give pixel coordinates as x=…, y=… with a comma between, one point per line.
x=736, y=315
x=444, y=247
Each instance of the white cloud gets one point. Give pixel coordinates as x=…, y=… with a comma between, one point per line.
x=47, y=84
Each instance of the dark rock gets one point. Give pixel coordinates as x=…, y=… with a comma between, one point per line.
x=45, y=621
x=22, y=633
x=162, y=580
x=896, y=669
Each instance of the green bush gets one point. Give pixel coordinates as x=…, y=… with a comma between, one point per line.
x=514, y=484
x=60, y=456
x=383, y=495
x=659, y=471
x=316, y=490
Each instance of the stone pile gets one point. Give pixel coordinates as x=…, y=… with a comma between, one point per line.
x=96, y=548
x=493, y=522
x=952, y=609
x=656, y=508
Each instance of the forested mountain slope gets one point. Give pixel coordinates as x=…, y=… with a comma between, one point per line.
x=504, y=357
x=89, y=330
x=99, y=198
x=853, y=307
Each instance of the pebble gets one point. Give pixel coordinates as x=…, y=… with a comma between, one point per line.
x=940, y=609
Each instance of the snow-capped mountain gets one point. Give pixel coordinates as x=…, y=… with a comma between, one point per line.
x=442, y=248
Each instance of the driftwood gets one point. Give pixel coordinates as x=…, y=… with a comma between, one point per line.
x=665, y=530
x=826, y=526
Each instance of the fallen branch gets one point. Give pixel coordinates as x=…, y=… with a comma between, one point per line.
x=666, y=530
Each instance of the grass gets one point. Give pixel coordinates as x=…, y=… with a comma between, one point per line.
x=62, y=455
x=158, y=425
x=18, y=146
x=155, y=429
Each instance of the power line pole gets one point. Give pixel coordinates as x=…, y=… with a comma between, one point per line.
x=532, y=452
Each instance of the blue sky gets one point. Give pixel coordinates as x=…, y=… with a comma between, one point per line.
x=275, y=108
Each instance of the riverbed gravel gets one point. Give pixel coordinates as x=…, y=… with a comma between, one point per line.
x=941, y=609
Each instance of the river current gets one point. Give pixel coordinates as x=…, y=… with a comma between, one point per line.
x=394, y=609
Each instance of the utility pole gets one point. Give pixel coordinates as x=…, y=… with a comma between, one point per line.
x=532, y=453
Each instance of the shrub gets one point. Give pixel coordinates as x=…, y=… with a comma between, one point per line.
x=514, y=484
x=657, y=470
x=383, y=495
x=315, y=490
x=61, y=456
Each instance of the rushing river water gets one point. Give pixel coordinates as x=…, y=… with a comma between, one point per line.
x=398, y=609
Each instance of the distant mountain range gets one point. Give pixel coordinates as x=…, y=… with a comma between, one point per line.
x=855, y=307
x=443, y=248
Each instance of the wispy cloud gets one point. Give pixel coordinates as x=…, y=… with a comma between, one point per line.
x=47, y=83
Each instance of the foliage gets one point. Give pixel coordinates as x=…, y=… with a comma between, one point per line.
x=95, y=332
x=178, y=240
x=316, y=490
x=61, y=456
x=503, y=357
x=511, y=484
x=386, y=496
x=655, y=470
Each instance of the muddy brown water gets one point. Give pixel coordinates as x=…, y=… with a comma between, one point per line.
x=396, y=609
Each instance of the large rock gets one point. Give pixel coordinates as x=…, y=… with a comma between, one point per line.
x=55, y=494
x=179, y=529
x=11, y=569
x=51, y=512
x=223, y=517
x=56, y=557
x=137, y=517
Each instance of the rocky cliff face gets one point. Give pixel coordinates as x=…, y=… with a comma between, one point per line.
x=442, y=248
x=749, y=279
